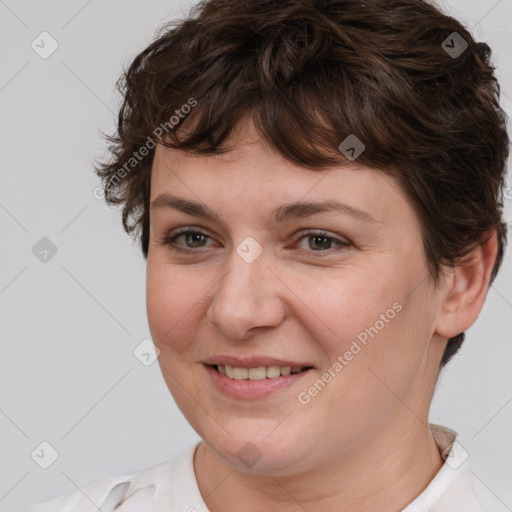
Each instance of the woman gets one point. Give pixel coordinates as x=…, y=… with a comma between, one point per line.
x=318, y=191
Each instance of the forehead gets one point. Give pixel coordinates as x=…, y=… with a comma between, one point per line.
x=258, y=188
x=253, y=177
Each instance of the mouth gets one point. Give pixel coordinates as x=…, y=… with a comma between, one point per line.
x=258, y=372
x=254, y=382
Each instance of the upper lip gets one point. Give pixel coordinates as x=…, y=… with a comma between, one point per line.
x=252, y=362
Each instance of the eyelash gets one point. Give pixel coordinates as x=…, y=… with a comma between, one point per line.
x=171, y=238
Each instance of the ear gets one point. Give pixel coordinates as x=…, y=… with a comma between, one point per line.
x=466, y=287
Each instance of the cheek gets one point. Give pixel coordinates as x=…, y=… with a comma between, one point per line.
x=344, y=306
x=173, y=303
x=384, y=348
x=369, y=319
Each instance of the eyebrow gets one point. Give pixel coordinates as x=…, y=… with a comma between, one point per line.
x=298, y=210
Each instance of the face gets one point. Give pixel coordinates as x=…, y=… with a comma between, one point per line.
x=343, y=292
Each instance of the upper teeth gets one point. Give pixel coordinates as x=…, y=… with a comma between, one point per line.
x=259, y=373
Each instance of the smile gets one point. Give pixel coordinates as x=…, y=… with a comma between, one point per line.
x=254, y=383
x=257, y=373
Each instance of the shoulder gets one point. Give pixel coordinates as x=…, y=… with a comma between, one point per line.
x=107, y=493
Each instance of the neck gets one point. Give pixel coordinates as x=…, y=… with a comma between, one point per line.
x=384, y=472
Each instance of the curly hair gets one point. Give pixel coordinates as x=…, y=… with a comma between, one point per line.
x=402, y=76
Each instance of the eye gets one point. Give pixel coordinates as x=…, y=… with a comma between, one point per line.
x=193, y=239
x=320, y=241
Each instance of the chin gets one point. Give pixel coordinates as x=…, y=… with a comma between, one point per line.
x=262, y=453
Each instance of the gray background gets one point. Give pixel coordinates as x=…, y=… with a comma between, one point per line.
x=69, y=326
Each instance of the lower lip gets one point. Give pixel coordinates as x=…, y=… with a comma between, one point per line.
x=252, y=389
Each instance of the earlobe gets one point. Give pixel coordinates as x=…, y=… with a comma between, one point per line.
x=466, y=287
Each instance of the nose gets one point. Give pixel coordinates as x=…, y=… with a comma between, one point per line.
x=247, y=297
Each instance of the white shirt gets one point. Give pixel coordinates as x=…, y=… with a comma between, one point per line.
x=172, y=487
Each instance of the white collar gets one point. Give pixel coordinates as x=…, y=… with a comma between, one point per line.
x=452, y=487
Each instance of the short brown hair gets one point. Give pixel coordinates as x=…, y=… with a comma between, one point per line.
x=310, y=73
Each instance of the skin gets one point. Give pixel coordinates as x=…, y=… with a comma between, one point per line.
x=363, y=442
